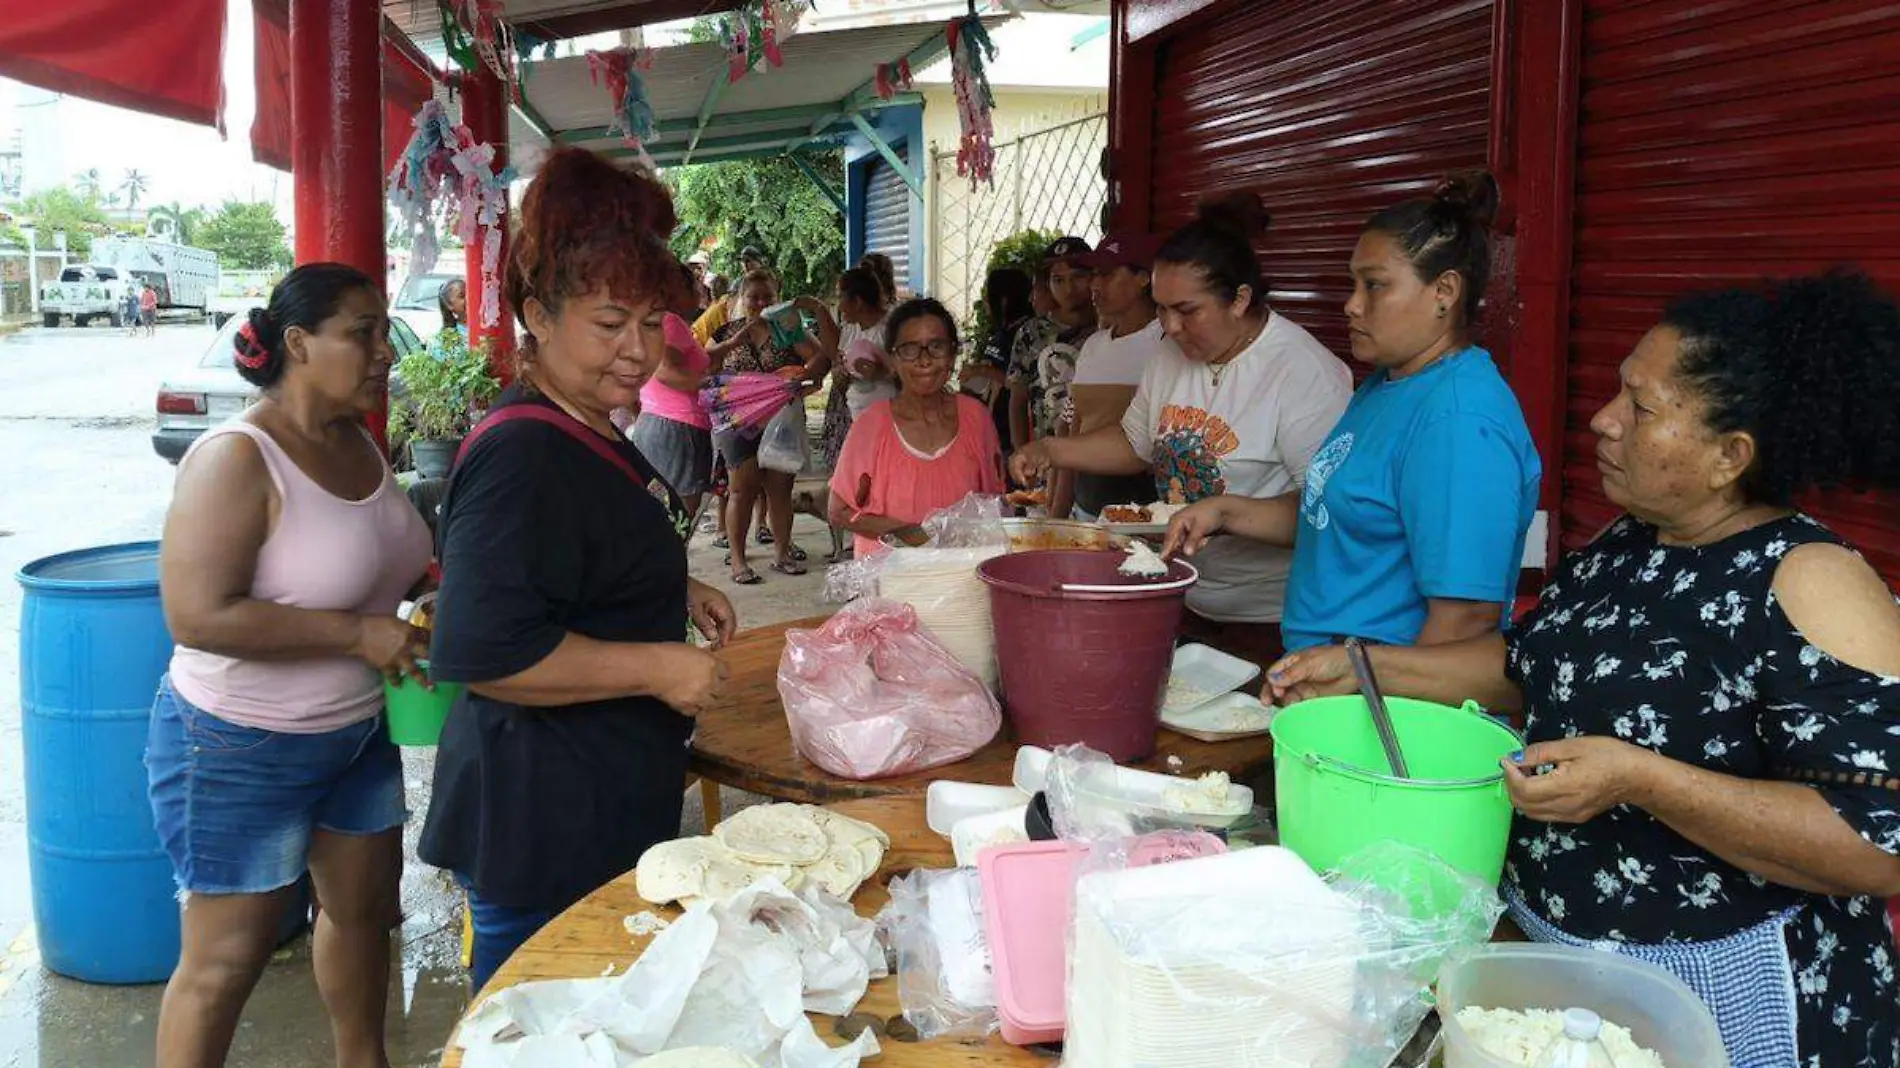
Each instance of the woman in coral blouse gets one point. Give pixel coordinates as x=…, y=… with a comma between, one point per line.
x=923, y=450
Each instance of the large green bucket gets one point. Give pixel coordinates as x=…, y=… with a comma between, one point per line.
x=1335, y=793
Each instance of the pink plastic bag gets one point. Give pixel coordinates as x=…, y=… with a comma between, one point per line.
x=870, y=694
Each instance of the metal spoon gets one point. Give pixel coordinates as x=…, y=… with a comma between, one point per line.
x=1375, y=701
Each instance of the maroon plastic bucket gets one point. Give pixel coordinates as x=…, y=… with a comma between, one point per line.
x=1084, y=666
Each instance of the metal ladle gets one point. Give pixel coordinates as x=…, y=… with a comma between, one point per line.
x=1375, y=701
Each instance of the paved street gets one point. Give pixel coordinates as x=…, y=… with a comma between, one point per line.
x=76, y=470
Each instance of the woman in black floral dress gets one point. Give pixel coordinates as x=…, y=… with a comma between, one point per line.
x=1712, y=687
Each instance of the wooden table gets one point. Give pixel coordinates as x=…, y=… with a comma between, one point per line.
x=581, y=942
x=745, y=743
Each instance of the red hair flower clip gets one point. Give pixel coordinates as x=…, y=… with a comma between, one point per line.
x=250, y=351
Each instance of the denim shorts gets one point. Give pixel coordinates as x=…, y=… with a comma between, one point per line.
x=235, y=806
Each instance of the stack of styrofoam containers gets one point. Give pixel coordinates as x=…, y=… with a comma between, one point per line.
x=1244, y=959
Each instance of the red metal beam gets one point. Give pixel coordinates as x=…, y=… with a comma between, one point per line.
x=621, y=17
x=485, y=113
x=336, y=152
x=1535, y=153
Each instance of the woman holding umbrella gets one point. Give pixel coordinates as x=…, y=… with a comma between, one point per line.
x=748, y=357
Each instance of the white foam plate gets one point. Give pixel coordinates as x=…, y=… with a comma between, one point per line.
x=948, y=803
x=1209, y=671
x=1212, y=722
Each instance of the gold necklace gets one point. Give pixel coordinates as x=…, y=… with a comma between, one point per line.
x=1216, y=370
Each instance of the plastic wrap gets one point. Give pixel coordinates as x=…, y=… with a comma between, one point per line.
x=934, y=927
x=786, y=446
x=1251, y=959
x=1090, y=800
x=870, y=694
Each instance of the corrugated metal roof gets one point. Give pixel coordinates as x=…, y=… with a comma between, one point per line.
x=825, y=77
x=553, y=19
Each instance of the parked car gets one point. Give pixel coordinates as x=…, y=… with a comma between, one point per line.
x=211, y=392
x=418, y=303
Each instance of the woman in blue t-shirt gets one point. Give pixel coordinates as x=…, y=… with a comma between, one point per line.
x=1410, y=527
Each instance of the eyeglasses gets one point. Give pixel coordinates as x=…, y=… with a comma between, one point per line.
x=915, y=351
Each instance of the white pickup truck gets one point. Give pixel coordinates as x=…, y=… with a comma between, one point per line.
x=185, y=279
x=86, y=293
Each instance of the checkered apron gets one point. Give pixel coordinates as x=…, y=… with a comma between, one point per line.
x=1745, y=979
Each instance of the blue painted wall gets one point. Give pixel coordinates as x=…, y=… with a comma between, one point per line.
x=903, y=129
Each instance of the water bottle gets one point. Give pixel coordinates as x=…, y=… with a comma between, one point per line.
x=1580, y=1046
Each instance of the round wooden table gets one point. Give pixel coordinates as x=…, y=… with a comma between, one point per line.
x=745, y=742
x=581, y=942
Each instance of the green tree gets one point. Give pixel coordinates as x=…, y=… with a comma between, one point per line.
x=1022, y=250
x=91, y=183
x=135, y=185
x=62, y=209
x=767, y=202
x=246, y=236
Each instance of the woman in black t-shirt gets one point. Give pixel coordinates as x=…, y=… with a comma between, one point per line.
x=565, y=603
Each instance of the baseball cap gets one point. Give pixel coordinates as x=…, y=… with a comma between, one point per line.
x=1067, y=248
x=751, y=252
x=1128, y=248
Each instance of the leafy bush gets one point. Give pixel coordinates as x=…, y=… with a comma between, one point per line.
x=1022, y=251
x=446, y=390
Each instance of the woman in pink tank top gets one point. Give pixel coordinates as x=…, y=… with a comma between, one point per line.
x=287, y=551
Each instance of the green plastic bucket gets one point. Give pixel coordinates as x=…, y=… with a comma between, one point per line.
x=1336, y=795
x=416, y=714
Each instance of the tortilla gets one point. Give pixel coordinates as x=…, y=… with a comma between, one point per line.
x=839, y=874
x=673, y=870
x=774, y=835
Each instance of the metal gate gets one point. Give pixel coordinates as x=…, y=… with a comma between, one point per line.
x=1047, y=180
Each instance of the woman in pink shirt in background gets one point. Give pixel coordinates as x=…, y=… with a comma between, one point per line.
x=923, y=450
x=674, y=431
x=287, y=550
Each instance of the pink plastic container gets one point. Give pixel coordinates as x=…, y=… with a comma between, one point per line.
x=1028, y=901
x=1072, y=671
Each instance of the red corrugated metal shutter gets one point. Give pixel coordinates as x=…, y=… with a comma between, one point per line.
x=1330, y=112
x=1722, y=142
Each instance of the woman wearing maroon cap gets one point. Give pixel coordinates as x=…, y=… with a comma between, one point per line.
x=1113, y=360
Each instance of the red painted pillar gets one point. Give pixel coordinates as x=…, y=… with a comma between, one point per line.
x=485, y=113
x=336, y=148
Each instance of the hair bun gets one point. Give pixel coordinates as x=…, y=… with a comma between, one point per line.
x=1472, y=196
x=1239, y=210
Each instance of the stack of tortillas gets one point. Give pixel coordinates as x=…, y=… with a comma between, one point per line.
x=794, y=844
x=950, y=601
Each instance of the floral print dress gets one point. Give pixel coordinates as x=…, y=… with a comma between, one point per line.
x=1686, y=651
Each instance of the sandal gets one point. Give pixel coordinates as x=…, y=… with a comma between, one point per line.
x=798, y=554
x=765, y=537
x=788, y=567
x=720, y=542
x=748, y=577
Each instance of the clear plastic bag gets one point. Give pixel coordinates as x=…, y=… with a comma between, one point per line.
x=786, y=446
x=870, y=694
x=1251, y=959
x=1092, y=800
x=934, y=927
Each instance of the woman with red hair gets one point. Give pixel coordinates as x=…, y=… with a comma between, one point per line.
x=566, y=607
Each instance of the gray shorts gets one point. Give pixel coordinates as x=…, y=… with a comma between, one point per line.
x=738, y=447
x=682, y=454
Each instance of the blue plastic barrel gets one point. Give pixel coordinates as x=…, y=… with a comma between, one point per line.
x=93, y=646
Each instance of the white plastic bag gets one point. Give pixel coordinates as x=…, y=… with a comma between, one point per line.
x=871, y=694
x=786, y=447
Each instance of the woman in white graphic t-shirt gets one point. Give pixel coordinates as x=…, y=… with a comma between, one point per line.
x=1237, y=405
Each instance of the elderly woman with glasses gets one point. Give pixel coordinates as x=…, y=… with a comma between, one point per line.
x=925, y=449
